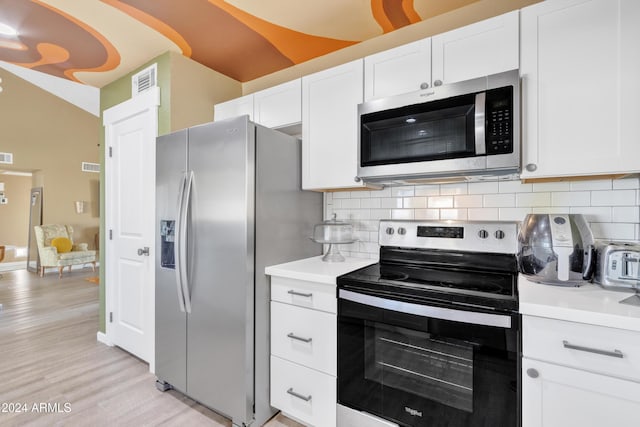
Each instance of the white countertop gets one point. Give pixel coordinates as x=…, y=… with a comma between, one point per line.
x=588, y=303
x=316, y=270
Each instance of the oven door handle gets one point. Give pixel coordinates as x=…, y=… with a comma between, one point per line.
x=473, y=317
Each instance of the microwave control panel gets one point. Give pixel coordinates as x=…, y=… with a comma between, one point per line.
x=499, y=121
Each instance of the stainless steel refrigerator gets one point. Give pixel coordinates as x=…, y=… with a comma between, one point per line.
x=229, y=203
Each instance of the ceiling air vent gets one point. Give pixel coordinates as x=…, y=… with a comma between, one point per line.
x=6, y=158
x=90, y=167
x=144, y=80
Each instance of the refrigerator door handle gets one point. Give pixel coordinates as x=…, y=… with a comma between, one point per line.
x=176, y=247
x=183, y=244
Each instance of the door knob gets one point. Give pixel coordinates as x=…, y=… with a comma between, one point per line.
x=531, y=167
x=437, y=83
x=533, y=373
x=144, y=251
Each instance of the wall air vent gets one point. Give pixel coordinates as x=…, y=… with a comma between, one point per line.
x=144, y=80
x=91, y=167
x=6, y=158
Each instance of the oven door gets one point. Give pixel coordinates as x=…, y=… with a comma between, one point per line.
x=422, y=365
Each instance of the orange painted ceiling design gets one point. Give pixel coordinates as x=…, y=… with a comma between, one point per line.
x=97, y=41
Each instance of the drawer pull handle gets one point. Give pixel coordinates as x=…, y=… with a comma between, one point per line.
x=295, y=337
x=299, y=396
x=614, y=353
x=299, y=294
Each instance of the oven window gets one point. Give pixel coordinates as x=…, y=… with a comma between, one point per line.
x=436, y=369
x=421, y=371
x=430, y=131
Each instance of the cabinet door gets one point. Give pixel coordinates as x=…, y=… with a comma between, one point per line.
x=580, y=65
x=403, y=69
x=280, y=105
x=330, y=101
x=304, y=336
x=477, y=50
x=557, y=396
x=234, y=108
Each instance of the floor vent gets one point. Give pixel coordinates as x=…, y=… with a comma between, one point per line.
x=90, y=167
x=6, y=158
x=144, y=80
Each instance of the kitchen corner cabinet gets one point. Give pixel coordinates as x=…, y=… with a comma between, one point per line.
x=330, y=101
x=234, y=108
x=580, y=64
x=574, y=374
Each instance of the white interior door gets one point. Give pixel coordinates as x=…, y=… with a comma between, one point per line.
x=131, y=130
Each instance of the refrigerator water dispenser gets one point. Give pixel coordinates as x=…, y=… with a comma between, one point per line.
x=167, y=238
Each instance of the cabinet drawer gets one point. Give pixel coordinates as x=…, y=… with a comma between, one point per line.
x=302, y=393
x=304, y=336
x=594, y=348
x=304, y=294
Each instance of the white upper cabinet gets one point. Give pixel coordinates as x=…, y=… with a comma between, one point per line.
x=403, y=69
x=275, y=107
x=234, y=108
x=280, y=105
x=486, y=47
x=330, y=101
x=580, y=68
x=476, y=50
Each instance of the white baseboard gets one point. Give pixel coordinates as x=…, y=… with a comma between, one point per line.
x=102, y=337
x=10, y=266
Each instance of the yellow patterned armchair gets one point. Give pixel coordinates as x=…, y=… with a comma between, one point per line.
x=56, y=248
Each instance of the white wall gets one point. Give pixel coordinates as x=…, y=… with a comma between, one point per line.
x=612, y=207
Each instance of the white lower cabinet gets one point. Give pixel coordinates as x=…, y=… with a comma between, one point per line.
x=558, y=396
x=575, y=374
x=303, y=350
x=303, y=336
x=304, y=394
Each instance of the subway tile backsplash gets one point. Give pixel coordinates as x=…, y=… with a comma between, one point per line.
x=612, y=207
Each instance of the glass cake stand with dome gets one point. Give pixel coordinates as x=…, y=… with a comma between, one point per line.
x=333, y=232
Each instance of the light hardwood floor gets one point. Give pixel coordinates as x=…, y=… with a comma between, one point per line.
x=49, y=355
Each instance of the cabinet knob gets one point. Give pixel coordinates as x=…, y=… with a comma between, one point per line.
x=533, y=373
x=437, y=83
x=357, y=179
x=424, y=85
x=531, y=167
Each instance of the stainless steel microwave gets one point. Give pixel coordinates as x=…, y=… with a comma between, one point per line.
x=461, y=131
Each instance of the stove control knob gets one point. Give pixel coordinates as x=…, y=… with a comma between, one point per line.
x=389, y=231
x=483, y=234
x=402, y=231
x=499, y=234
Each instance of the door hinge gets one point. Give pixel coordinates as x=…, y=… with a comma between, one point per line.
x=110, y=234
x=111, y=317
x=110, y=151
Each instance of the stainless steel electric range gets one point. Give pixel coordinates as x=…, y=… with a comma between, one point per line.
x=430, y=335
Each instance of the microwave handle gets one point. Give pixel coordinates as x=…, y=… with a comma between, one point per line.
x=480, y=123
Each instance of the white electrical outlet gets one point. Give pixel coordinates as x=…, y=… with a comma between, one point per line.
x=4, y=200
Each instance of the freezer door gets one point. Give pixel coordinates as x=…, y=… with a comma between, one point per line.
x=221, y=263
x=171, y=320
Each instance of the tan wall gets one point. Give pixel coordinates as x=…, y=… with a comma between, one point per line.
x=195, y=89
x=474, y=12
x=14, y=216
x=53, y=137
